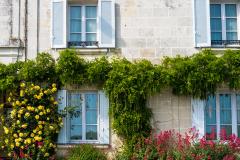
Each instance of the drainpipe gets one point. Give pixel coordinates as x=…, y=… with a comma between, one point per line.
x=19, y=28
x=26, y=29
x=38, y=21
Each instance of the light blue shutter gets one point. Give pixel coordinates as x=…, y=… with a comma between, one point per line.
x=198, y=115
x=59, y=23
x=202, y=23
x=106, y=14
x=62, y=103
x=104, y=118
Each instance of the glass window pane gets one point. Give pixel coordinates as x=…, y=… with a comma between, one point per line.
x=91, y=37
x=216, y=24
x=211, y=131
x=226, y=129
x=91, y=101
x=238, y=101
x=210, y=110
x=216, y=35
x=91, y=25
x=91, y=12
x=232, y=36
x=76, y=25
x=215, y=10
x=231, y=24
x=75, y=12
x=75, y=37
x=238, y=130
x=231, y=10
x=76, y=132
x=91, y=117
x=225, y=109
x=91, y=132
x=76, y=117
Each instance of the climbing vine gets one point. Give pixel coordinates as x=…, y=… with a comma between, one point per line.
x=129, y=84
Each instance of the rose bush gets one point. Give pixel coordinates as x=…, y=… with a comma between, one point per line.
x=31, y=127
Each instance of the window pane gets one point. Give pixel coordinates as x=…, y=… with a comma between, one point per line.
x=76, y=117
x=226, y=129
x=75, y=37
x=232, y=36
x=91, y=101
x=216, y=24
x=225, y=101
x=226, y=116
x=91, y=117
x=91, y=132
x=75, y=12
x=215, y=10
x=211, y=131
x=238, y=130
x=76, y=132
x=91, y=12
x=75, y=26
x=225, y=113
x=91, y=25
x=231, y=24
x=231, y=10
x=216, y=35
x=210, y=110
x=91, y=37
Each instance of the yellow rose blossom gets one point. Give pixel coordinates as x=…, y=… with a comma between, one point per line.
x=6, y=141
x=24, y=126
x=20, y=139
x=32, y=135
x=41, y=113
x=20, y=134
x=18, y=122
x=54, y=89
x=9, y=99
x=18, y=103
x=35, y=96
x=36, y=110
x=48, y=118
x=23, y=102
x=22, y=85
x=29, y=108
x=19, y=115
x=45, y=92
x=36, y=87
x=6, y=130
x=46, y=154
x=32, y=108
x=54, y=85
x=20, y=111
x=40, y=126
x=9, y=154
x=21, y=93
x=39, y=132
x=29, y=140
x=12, y=146
x=27, y=114
x=22, y=147
x=48, y=110
x=37, y=117
x=39, y=122
x=15, y=135
x=55, y=103
x=39, y=97
x=40, y=107
x=41, y=94
x=51, y=127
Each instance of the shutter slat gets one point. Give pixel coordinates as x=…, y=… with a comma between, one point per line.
x=202, y=23
x=106, y=13
x=198, y=115
x=62, y=103
x=104, y=118
x=59, y=11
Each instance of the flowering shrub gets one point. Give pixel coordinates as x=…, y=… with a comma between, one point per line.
x=32, y=124
x=169, y=145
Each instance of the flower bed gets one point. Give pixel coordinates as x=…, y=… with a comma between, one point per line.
x=170, y=145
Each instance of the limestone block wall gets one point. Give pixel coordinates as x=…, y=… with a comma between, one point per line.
x=170, y=111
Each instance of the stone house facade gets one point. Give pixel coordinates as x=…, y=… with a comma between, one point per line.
x=135, y=29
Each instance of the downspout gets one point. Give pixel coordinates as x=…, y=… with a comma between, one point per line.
x=38, y=18
x=26, y=30
x=19, y=28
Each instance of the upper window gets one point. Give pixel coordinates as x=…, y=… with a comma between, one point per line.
x=224, y=24
x=83, y=26
x=83, y=23
x=222, y=113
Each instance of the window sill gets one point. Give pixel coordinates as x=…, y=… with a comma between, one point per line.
x=71, y=145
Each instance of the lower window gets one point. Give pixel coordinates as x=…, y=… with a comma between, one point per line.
x=222, y=115
x=83, y=122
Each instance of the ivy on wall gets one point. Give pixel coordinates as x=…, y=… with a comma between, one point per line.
x=129, y=84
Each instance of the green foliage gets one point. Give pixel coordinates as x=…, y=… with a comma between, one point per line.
x=129, y=84
x=86, y=152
